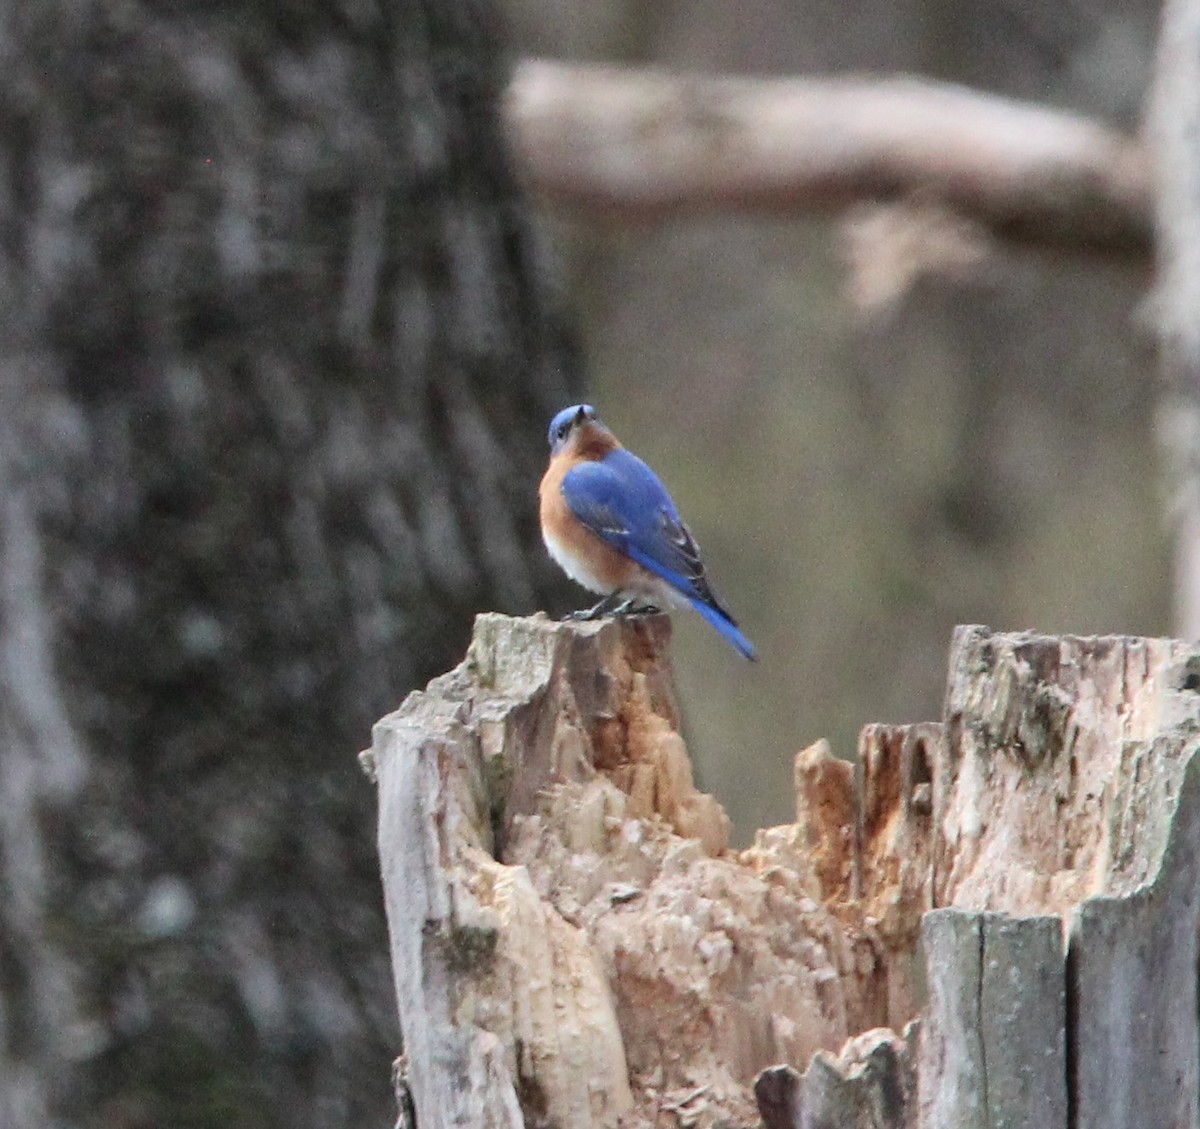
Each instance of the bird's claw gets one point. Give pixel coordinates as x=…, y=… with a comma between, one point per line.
x=601, y=609
x=611, y=605
x=633, y=606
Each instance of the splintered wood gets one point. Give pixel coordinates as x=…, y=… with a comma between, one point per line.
x=575, y=944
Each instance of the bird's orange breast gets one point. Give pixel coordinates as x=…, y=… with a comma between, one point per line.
x=583, y=555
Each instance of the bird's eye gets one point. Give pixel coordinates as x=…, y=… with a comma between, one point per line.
x=561, y=431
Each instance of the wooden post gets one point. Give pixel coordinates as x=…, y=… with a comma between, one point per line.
x=994, y=1049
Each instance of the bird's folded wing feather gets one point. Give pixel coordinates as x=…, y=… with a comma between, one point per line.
x=621, y=499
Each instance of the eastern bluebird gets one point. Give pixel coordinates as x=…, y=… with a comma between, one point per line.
x=611, y=526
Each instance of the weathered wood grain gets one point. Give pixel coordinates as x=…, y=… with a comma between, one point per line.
x=993, y=1049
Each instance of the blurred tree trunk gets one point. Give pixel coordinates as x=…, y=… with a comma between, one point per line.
x=277, y=350
x=1175, y=130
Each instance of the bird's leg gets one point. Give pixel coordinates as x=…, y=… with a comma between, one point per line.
x=633, y=607
x=608, y=604
x=612, y=604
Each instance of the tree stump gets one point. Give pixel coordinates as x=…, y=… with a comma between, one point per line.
x=575, y=944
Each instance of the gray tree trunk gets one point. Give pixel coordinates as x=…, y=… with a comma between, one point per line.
x=276, y=353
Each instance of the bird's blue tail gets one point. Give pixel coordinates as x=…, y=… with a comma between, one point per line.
x=687, y=588
x=727, y=628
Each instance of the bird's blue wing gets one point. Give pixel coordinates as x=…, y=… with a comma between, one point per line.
x=622, y=500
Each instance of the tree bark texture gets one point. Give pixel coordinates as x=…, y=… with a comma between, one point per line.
x=277, y=350
x=574, y=943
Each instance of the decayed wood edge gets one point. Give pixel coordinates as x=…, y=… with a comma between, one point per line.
x=455, y=1066
x=870, y=1083
x=1061, y=767
x=644, y=144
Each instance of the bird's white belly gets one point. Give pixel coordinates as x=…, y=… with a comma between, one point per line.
x=640, y=582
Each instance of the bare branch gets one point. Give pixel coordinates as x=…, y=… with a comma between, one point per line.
x=642, y=144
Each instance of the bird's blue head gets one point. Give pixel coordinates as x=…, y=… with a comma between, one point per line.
x=566, y=422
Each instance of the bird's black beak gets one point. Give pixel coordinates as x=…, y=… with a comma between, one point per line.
x=580, y=416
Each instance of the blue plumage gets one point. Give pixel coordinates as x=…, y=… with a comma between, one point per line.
x=621, y=499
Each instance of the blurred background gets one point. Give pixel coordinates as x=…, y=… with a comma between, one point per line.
x=280, y=335
x=976, y=448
